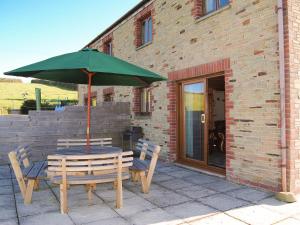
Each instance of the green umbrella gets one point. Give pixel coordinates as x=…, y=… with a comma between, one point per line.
x=88, y=66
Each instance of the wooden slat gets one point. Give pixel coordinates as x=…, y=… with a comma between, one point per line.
x=91, y=156
x=89, y=179
x=89, y=168
x=94, y=162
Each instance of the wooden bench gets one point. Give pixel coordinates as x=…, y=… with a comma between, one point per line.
x=67, y=143
x=28, y=174
x=89, y=170
x=144, y=166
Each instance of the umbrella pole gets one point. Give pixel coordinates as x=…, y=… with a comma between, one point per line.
x=89, y=109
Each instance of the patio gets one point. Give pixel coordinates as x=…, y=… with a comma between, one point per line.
x=177, y=196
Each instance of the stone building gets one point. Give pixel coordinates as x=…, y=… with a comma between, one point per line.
x=231, y=102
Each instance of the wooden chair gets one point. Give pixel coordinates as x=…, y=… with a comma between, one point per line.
x=28, y=174
x=89, y=170
x=67, y=143
x=144, y=166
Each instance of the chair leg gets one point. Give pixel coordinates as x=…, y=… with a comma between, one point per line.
x=144, y=182
x=29, y=190
x=36, y=185
x=135, y=176
x=115, y=185
x=90, y=188
x=119, y=194
x=63, y=199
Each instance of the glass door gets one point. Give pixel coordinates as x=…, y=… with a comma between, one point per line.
x=193, y=121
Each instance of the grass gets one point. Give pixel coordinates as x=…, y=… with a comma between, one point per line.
x=12, y=95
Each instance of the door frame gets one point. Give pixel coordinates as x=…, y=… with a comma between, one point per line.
x=181, y=127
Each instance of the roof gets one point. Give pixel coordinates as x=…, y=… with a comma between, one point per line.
x=125, y=16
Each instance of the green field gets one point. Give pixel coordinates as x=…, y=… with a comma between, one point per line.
x=12, y=95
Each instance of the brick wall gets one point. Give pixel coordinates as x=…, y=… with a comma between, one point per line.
x=246, y=33
x=41, y=130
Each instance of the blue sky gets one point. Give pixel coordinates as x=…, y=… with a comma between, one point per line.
x=33, y=30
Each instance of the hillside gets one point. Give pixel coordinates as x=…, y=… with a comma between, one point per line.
x=12, y=95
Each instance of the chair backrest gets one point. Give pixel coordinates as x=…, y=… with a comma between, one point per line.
x=67, y=143
x=147, y=149
x=19, y=160
x=79, y=165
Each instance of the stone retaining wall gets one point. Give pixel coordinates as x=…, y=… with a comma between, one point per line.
x=42, y=129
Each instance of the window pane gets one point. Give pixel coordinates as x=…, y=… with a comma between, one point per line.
x=210, y=5
x=150, y=29
x=143, y=32
x=110, y=48
x=223, y=3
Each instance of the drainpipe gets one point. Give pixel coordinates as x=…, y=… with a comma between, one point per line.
x=282, y=96
x=285, y=194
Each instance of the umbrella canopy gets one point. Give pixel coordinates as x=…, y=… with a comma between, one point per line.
x=72, y=68
x=88, y=66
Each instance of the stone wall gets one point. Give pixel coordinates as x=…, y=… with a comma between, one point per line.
x=41, y=130
x=245, y=33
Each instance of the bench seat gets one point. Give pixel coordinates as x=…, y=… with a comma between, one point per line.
x=140, y=165
x=35, y=171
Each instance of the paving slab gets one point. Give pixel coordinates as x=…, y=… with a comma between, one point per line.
x=47, y=219
x=9, y=222
x=201, y=179
x=136, y=187
x=5, y=172
x=196, y=192
x=5, y=182
x=157, y=178
x=132, y=206
x=287, y=209
x=73, y=190
x=6, y=190
x=154, y=216
x=250, y=194
x=190, y=211
x=7, y=213
x=42, y=202
x=110, y=195
x=163, y=198
x=223, y=202
x=223, y=186
x=168, y=169
x=183, y=173
x=256, y=214
x=218, y=219
x=111, y=221
x=175, y=184
x=81, y=200
x=288, y=221
x=6, y=201
x=92, y=213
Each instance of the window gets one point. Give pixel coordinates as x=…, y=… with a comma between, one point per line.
x=213, y=5
x=108, y=47
x=145, y=100
x=146, y=35
x=108, y=97
x=93, y=99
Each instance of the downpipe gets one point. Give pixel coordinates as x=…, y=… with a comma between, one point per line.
x=285, y=194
